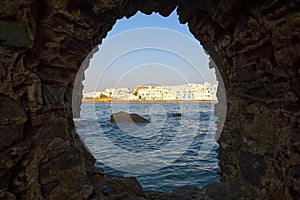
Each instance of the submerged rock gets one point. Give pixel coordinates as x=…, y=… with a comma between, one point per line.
x=124, y=117
x=176, y=115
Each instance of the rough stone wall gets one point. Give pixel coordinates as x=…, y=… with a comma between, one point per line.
x=78, y=85
x=255, y=45
x=256, y=48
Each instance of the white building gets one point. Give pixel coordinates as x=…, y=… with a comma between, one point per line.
x=206, y=92
x=183, y=92
x=133, y=97
x=149, y=92
x=120, y=93
x=169, y=95
x=187, y=92
x=91, y=95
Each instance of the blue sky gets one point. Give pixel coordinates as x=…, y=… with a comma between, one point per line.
x=148, y=50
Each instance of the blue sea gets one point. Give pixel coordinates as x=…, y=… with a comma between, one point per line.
x=166, y=153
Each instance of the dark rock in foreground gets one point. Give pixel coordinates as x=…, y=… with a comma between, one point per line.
x=213, y=191
x=111, y=187
x=124, y=117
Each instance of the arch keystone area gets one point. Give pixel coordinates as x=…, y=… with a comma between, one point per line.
x=254, y=44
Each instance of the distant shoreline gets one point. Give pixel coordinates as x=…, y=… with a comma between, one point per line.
x=118, y=100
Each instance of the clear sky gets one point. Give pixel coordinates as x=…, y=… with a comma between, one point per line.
x=148, y=50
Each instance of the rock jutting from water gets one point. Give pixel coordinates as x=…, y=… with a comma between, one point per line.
x=124, y=117
x=176, y=115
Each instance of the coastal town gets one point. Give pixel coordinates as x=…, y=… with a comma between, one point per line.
x=187, y=92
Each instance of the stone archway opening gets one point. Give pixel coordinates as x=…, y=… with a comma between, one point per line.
x=189, y=62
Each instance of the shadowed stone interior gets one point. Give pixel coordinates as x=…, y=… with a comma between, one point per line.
x=255, y=45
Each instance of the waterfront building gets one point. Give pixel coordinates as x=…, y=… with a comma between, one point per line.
x=150, y=93
x=120, y=93
x=186, y=92
x=91, y=95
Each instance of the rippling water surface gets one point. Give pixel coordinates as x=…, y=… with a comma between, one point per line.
x=164, y=154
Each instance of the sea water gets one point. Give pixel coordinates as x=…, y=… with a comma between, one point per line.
x=166, y=153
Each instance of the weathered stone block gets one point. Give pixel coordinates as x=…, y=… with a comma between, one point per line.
x=12, y=122
x=13, y=34
x=53, y=94
x=252, y=167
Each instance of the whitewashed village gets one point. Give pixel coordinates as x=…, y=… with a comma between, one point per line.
x=188, y=92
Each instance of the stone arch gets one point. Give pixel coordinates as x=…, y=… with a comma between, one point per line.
x=254, y=45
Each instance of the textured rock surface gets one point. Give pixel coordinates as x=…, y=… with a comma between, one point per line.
x=78, y=86
x=255, y=45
